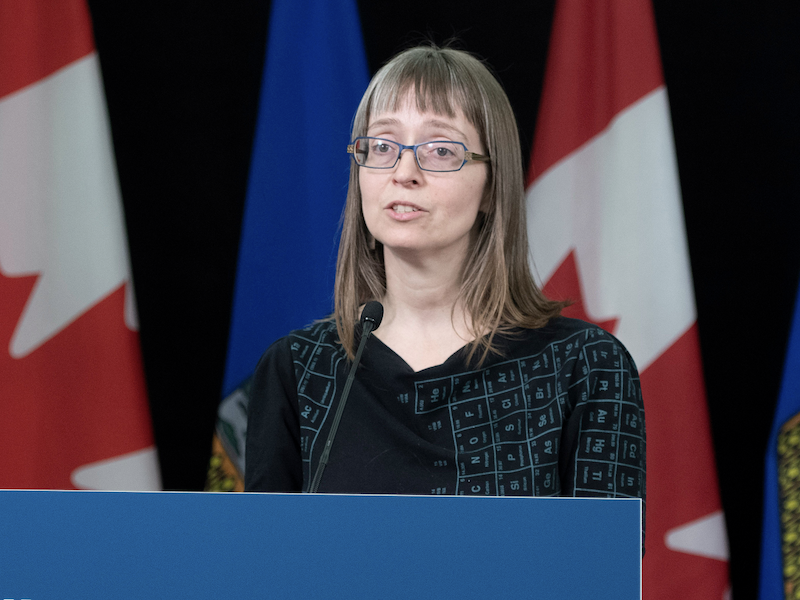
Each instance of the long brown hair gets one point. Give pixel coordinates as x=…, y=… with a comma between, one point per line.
x=497, y=288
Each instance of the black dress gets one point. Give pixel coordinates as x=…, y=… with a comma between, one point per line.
x=559, y=413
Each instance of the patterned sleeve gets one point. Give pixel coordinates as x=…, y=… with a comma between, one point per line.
x=272, y=457
x=604, y=439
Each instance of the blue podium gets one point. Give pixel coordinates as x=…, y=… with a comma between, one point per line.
x=71, y=545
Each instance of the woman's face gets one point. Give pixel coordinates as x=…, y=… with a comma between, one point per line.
x=422, y=213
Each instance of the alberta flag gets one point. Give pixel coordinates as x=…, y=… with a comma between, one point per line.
x=780, y=548
x=314, y=75
x=72, y=392
x=606, y=229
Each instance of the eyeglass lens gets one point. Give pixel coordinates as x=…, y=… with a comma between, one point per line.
x=432, y=156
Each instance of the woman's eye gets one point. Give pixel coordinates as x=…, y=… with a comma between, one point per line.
x=382, y=148
x=440, y=151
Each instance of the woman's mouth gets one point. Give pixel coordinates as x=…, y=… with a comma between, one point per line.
x=403, y=208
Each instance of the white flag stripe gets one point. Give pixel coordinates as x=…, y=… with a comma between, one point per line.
x=706, y=536
x=60, y=206
x=616, y=202
x=133, y=472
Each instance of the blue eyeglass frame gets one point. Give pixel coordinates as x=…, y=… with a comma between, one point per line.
x=468, y=156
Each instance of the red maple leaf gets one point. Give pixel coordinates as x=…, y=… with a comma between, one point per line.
x=565, y=284
x=76, y=399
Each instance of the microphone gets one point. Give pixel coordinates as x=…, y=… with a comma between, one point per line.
x=371, y=318
x=373, y=314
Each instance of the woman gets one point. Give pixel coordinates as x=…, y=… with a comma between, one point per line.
x=473, y=383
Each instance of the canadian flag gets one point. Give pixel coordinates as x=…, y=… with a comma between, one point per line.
x=72, y=394
x=606, y=229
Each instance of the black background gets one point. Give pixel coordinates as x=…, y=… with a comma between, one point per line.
x=182, y=82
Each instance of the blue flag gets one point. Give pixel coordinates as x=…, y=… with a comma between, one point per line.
x=780, y=547
x=314, y=75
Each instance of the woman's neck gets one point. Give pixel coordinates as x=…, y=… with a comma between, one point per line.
x=424, y=321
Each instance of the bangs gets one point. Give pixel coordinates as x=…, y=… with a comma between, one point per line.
x=436, y=82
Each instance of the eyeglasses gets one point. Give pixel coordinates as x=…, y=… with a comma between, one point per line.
x=439, y=156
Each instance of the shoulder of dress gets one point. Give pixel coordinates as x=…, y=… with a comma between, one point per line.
x=562, y=328
x=617, y=354
x=558, y=330
x=320, y=333
x=570, y=325
x=563, y=337
x=317, y=328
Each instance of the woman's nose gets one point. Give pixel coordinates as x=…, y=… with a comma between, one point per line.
x=407, y=167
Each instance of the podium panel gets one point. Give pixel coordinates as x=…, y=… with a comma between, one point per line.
x=80, y=545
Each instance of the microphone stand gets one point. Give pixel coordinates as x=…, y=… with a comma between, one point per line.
x=371, y=318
